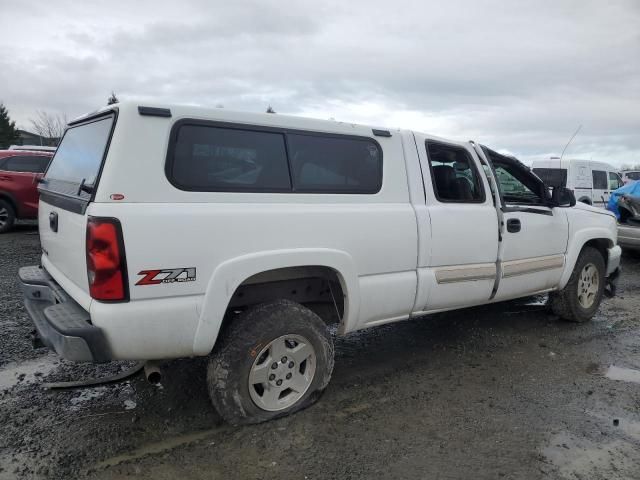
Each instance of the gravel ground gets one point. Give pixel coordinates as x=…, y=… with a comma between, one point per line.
x=506, y=391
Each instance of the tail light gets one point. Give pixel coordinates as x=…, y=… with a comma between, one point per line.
x=106, y=264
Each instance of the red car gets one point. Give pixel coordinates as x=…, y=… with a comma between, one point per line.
x=20, y=171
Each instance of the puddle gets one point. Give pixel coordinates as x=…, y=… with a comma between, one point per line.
x=27, y=372
x=621, y=424
x=576, y=457
x=623, y=374
x=158, y=447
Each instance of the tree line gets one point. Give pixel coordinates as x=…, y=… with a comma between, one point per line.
x=47, y=125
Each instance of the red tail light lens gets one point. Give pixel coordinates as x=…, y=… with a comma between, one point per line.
x=106, y=266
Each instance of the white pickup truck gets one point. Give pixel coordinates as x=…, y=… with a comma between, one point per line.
x=176, y=231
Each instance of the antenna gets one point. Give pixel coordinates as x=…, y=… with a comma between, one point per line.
x=570, y=140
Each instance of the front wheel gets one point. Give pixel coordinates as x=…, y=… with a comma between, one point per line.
x=579, y=300
x=273, y=360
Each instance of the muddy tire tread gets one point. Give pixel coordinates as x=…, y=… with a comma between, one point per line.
x=564, y=303
x=235, y=352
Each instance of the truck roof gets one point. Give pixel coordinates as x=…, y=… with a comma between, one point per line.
x=178, y=111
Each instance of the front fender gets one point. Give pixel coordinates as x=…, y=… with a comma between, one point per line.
x=229, y=275
x=577, y=243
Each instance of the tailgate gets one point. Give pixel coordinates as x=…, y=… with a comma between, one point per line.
x=67, y=189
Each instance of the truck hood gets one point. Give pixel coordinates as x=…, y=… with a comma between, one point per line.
x=589, y=208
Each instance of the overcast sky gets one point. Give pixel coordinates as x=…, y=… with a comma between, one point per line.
x=519, y=76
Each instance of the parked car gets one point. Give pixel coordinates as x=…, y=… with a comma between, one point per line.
x=178, y=232
x=591, y=181
x=33, y=148
x=630, y=176
x=20, y=171
x=625, y=205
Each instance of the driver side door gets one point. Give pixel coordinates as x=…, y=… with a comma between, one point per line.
x=534, y=236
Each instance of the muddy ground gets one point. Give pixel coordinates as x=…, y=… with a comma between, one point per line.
x=507, y=391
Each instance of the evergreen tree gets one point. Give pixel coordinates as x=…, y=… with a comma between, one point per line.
x=8, y=133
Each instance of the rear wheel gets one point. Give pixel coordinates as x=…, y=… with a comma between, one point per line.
x=273, y=360
x=579, y=300
x=7, y=216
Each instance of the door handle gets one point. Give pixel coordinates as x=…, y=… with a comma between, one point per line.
x=5, y=177
x=513, y=225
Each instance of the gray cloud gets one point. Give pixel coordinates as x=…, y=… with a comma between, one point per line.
x=518, y=75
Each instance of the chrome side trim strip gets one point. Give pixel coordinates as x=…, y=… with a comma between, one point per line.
x=465, y=273
x=531, y=265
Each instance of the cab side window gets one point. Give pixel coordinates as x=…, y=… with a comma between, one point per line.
x=453, y=174
x=615, y=181
x=513, y=189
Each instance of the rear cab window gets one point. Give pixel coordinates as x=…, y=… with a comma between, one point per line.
x=78, y=161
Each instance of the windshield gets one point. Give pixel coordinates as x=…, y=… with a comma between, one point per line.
x=79, y=157
x=552, y=177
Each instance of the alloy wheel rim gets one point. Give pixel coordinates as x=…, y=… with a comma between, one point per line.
x=282, y=372
x=588, y=285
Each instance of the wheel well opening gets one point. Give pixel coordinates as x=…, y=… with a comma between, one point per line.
x=600, y=244
x=319, y=288
x=586, y=200
x=10, y=201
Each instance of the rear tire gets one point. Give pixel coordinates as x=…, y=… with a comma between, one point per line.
x=579, y=300
x=275, y=342
x=7, y=216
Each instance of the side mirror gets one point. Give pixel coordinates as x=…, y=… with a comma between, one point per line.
x=562, y=197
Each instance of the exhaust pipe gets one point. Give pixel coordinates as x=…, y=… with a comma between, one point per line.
x=152, y=372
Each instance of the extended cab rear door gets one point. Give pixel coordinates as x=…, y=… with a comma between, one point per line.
x=67, y=189
x=457, y=264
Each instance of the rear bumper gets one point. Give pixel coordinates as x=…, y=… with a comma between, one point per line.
x=61, y=323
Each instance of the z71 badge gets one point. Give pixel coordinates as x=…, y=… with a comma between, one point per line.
x=167, y=275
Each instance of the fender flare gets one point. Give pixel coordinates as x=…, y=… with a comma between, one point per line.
x=229, y=275
x=577, y=243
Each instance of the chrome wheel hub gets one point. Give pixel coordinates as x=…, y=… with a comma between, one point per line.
x=588, y=285
x=4, y=216
x=282, y=372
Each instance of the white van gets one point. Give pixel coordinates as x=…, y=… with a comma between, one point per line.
x=592, y=182
x=630, y=175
